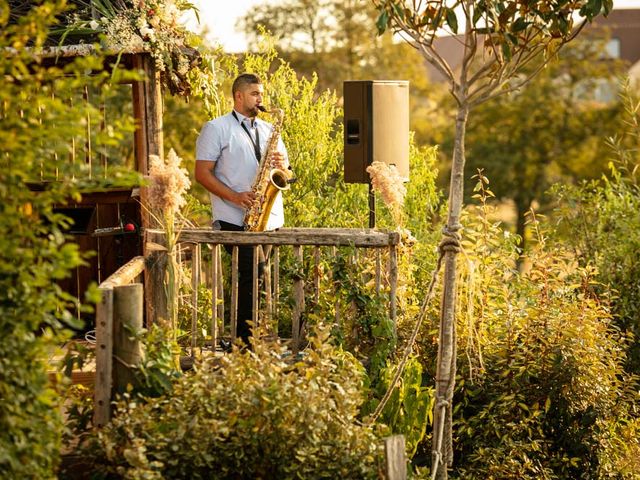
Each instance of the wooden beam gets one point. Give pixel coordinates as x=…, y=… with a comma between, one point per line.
x=284, y=236
x=129, y=272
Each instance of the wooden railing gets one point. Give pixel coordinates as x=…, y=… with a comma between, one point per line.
x=116, y=299
x=267, y=247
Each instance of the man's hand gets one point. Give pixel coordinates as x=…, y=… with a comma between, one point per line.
x=243, y=199
x=278, y=160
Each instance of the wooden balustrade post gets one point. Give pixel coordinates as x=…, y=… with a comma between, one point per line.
x=104, y=365
x=393, y=284
x=316, y=274
x=215, y=252
x=276, y=286
x=128, y=307
x=255, y=291
x=298, y=294
x=234, y=293
x=195, y=285
x=334, y=253
x=268, y=307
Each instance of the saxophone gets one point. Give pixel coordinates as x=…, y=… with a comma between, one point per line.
x=269, y=181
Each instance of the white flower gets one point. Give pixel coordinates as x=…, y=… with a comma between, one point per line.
x=94, y=25
x=148, y=33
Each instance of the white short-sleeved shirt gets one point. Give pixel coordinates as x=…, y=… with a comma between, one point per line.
x=224, y=142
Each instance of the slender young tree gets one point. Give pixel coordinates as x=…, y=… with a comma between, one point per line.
x=498, y=39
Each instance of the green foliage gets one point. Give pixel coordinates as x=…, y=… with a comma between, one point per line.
x=334, y=41
x=410, y=407
x=550, y=131
x=313, y=138
x=157, y=371
x=599, y=220
x=36, y=131
x=541, y=390
x=252, y=416
x=42, y=115
x=366, y=328
x=504, y=22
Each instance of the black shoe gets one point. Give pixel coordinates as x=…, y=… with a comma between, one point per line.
x=225, y=345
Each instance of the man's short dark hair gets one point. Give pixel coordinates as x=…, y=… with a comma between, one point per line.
x=244, y=80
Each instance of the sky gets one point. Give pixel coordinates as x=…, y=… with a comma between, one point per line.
x=221, y=16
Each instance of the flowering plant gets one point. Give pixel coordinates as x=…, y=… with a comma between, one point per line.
x=143, y=25
x=386, y=180
x=168, y=183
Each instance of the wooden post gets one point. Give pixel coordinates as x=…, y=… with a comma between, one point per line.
x=214, y=296
x=316, y=274
x=276, y=287
x=127, y=322
x=234, y=293
x=298, y=295
x=147, y=109
x=104, y=350
x=157, y=305
x=334, y=253
x=378, y=271
x=395, y=461
x=393, y=287
x=220, y=288
x=268, y=305
x=255, y=299
x=195, y=285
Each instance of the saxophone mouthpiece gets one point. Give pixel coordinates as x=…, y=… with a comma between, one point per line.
x=262, y=108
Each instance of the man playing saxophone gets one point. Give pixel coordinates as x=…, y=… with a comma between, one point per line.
x=228, y=153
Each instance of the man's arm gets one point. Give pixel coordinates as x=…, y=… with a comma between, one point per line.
x=205, y=176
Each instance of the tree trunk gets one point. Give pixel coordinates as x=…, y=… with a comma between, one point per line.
x=521, y=210
x=442, y=451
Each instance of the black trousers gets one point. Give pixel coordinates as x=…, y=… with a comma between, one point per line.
x=245, y=281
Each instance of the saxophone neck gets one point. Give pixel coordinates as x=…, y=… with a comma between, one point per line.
x=278, y=112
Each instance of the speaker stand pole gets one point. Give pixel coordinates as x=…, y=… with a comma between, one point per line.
x=372, y=207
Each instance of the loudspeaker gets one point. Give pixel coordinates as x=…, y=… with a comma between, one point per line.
x=376, y=127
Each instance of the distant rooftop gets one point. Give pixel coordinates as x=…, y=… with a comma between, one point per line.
x=623, y=26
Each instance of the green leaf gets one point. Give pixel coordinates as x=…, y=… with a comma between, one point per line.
x=382, y=23
x=452, y=20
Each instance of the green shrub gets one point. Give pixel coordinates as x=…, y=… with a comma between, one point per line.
x=249, y=415
x=37, y=128
x=600, y=221
x=541, y=391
